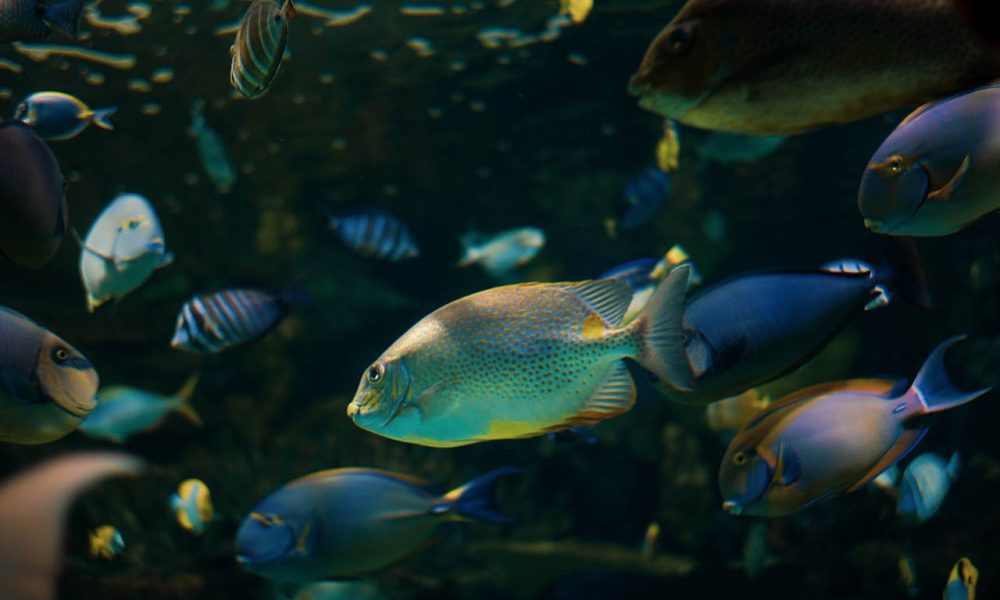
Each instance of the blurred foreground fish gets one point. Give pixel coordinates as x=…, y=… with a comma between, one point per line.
x=887, y=481
x=732, y=414
x=668, y=149
x=578, y=10
x=33, y=19
x=33, y=508
x=56, y=116
x=375, y=233
x=908, y=576
x=501, y=253
x=123, y=249
x=753, y=328
x=831, y=439
x=211, y=323
x=192, y=506
x=642, y=198
x=259, y=47
x=106, y=542
x=520, y=361
x=33, y=213
x=650, y=543
x=345, y=523
x=721, y=64
x=124, y=411
x=211, y=150
x=962, y=581
x=46, y=386
x=924, y=486
x=939, y=170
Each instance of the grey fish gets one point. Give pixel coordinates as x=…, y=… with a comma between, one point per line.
x=260, y=44
x=33, y=19
x=33, y=214
x=781, y=67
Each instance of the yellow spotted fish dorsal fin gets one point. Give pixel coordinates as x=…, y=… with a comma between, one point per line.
x=615, y=395
x=609, y=298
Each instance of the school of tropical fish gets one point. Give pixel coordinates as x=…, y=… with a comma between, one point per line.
x=511, y=337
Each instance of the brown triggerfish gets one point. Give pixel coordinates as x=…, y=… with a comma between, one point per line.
x=781, y=67
x=522, y=360
x=831, y=439
x=33, y=214
x=939, y=170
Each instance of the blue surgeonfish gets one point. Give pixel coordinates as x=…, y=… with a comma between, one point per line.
x=831, y=439
x=33, y=212
x=962, y=581
x=344, y=523
x=56, y=116
x=106, y=542
x=501, y=253
x=211, y=150
x=211, y=323
x=33, y=509
x=192, y=506
x=376, y=233
x=520, y=361
x=924, y=486
x=46, y=386
x=754, y=328
x=125, y=411
x=123, y=248
x=939, y=170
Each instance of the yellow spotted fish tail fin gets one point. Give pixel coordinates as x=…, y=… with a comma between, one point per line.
x=661, y=325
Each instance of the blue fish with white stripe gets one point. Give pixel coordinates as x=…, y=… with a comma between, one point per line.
x=375, y=233
x=211, y=323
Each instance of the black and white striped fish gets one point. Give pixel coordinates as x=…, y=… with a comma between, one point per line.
x=260, y=44
x=210, y=323
x=375, y=233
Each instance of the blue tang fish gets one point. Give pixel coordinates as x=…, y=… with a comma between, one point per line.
x=375, y=233
x=925, y=485
x=520, y=361
x=56, y=116
x=962, y=581
x=831, y=439
x=123, y=249
x=939, y=170
x=754, y=328
x=345, y=523
x=501, y=253
x=124, y=411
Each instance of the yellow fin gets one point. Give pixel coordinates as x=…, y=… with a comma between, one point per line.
x=614, y=396
x=593, y=327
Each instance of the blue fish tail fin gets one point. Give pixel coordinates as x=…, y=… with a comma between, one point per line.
x=901, y=273
x=661, y=321
x=64, y=17
x=477, y=498
x=102, y=117
x=933, y=386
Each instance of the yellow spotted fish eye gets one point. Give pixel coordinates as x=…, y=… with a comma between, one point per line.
x=740, y=459
x=375, y=373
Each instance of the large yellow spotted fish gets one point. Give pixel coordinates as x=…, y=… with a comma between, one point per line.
x=522, y=360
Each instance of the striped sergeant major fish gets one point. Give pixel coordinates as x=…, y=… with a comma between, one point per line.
x=211, y=323
x=259, y=47
x=375, y=233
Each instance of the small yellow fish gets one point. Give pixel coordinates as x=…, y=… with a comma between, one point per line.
x=106, y=542
x=193, y=505
x=668, y=149
x=962, y=581
x=576, y=9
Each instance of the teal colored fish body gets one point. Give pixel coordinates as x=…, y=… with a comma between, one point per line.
x=831, y=439
x=125, y=411
x=939, y=170
x=520, y=361
x=344, y=523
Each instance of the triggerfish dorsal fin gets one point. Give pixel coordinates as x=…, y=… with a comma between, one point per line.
x=934, y=388
x=476, y=499
x=609, y=298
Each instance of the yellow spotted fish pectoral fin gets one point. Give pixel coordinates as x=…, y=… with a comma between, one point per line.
x=609, y=298
x=614, y=396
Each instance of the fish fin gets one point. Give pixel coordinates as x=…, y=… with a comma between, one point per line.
x=904, y=444
x=183, y=397
x=609, y=298
x=875, y=386
x=289, y=10
x=166, y=261
x=789, y=467
x=954, y=466
x=476, y=499
x=102, y=117
x=64, y=17
x=188, y=412
x=916, y=113
x=661, y=321
x=614, y=396
x=470, y=256
x=902, y=272
x=934, y=389
x=945, y=192
x=19, y=387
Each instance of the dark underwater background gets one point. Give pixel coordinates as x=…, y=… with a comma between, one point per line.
x=553, y=146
